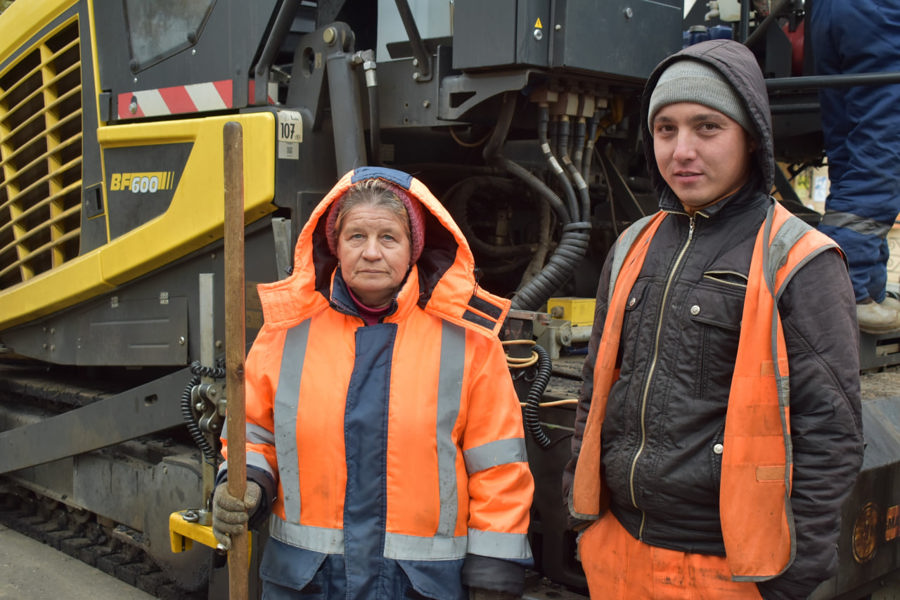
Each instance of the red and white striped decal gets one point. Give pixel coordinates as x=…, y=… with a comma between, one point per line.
x=179, y=99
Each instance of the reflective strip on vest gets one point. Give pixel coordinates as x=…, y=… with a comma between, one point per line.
x=410, y=547
x=450, y=378
x=624, y=243
x=255, y=434
x=492, y=454
x=512, y=546
x=287, y=396
x=258, y=461
x=317, y=539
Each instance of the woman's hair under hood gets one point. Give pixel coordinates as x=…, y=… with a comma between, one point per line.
x=378, y=192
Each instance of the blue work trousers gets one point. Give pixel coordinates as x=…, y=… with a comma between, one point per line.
x=861, y=125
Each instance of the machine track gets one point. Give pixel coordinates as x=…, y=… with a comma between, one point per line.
x=83, y=536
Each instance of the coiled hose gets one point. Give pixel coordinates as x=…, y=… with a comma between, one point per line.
x=531, y=412
x=571, y=249
x=187, y=414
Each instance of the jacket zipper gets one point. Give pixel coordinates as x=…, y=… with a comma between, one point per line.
x=662, y=309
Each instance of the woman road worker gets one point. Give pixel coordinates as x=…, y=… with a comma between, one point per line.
x=384, y=435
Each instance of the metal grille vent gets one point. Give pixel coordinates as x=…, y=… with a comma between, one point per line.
x=40, y=158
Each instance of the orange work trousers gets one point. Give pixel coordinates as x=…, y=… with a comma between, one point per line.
x=619, y=567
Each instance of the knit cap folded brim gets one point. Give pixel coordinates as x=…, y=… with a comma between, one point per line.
x=692, y=81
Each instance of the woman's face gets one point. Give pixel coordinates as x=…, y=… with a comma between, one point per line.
x=373, y=248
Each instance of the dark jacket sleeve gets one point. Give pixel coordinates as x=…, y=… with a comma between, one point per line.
x=587, y=384
x=826, y=430
x=495, y=574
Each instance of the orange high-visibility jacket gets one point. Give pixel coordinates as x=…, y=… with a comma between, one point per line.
x=403, y=439
x=755, y=488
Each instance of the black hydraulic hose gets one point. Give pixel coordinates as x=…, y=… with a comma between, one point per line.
x=491, y=154
x=374, y=127
x=579, y=184
x=543, y=121
x=578, y=146
x=571, y=249
x=367, y=58
x=531, y=412
x=589, y=146
x=192, y=427
x=537, y=185
x=501, y=129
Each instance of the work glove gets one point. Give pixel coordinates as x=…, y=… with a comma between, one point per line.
x=230, y=514
x=483, y=594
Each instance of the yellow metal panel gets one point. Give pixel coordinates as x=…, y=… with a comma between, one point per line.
x=23, y=20
x=193, y=220
x=77, y=280
x=196, y=214
x=580, y=311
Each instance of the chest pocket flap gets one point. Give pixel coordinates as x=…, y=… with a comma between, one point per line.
x=713, y=303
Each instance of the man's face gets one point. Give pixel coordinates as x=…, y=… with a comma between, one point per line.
x=703, y=154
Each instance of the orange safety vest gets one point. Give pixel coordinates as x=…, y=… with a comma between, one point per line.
x=754, y=495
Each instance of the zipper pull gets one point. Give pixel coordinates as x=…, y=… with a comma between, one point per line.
x=691, y=230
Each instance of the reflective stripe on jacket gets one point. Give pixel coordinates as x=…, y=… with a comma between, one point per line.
x=755, y=512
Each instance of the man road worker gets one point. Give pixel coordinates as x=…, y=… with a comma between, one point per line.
x=718, y=429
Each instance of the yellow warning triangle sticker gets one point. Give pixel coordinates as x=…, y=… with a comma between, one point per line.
x=537, y=24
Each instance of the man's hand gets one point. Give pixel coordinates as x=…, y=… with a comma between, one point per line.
x=230, y=514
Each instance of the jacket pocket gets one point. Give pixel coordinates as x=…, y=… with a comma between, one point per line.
x=286, y=566
x=715, y=312
x=717, y=306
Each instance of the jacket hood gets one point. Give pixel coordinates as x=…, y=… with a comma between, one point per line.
x=739, y=67
x=442, y=280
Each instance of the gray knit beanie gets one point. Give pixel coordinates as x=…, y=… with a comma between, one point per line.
x=693, y=81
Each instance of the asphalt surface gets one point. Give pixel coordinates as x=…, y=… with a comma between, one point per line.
x=31, y=570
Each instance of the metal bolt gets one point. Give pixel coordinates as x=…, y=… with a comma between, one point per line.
x=198, y=406
x=181, y=340
x=190, y=516
x=538, y=34
x=415, y=62
x=558, y=27
x=193, y=51
x=426, y=103
x=417, y=76
x=628, y=12
x=329, y=35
